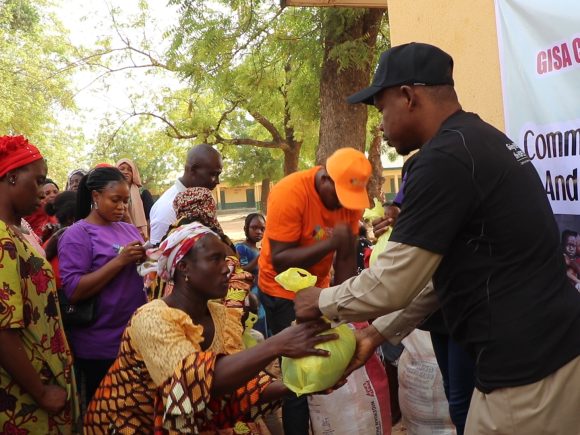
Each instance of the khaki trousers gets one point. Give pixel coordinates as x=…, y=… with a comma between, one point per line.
x=550, y=406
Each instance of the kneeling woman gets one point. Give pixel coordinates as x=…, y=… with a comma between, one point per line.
x=180, y=366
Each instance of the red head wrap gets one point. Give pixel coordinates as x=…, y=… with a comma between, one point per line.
x=15, y=152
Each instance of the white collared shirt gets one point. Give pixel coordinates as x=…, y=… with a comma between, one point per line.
x=162, y=213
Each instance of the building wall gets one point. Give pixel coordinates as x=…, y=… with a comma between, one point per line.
x=233, y=197
x=465, y=29
x=391, y=183
x=235, y=194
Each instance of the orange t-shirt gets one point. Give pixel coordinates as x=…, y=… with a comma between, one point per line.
x=296, y=214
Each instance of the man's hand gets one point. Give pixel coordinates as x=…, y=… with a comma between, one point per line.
x=367, y=340
x=380, y=226
x=306, y=304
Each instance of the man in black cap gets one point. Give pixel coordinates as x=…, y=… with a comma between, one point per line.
x=476, y=221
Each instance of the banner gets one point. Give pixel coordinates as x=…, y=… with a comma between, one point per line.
x=539, y=47
x=539, y=51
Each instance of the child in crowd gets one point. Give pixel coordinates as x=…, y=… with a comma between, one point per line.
x=248, y=251
x=569, y=242
x=254, y=227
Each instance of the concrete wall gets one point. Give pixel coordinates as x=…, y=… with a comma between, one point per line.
x=466, y=30
x=231, y=197
x=235, y=194
x=392, y=182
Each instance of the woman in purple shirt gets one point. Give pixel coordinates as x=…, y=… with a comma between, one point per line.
x=97, y=258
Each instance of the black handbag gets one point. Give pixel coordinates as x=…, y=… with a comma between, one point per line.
x=83, y=313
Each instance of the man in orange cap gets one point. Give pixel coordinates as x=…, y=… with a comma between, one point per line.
x=312, y=215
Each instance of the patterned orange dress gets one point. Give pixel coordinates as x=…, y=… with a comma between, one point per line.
x=160, y=382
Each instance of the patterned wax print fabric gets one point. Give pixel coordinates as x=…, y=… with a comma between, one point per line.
x=161, y=381
x=29, y=306
x=239, y=283
x=197, y=203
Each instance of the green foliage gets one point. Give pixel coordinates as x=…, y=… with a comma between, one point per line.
x=251, y=77
x=34, y=81
x=19, y=16
x=63, y=149
x=158, y=157
x=249, y=165
x=255, y=59
x=32, y=86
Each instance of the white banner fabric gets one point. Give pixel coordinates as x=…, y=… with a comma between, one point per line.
x=539, y=48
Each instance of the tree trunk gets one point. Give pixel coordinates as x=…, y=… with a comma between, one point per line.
x=376, y=181
x=265, y=191
x=291, y=157
x=343, y=124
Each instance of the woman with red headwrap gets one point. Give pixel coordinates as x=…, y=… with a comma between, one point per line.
x=37, y=391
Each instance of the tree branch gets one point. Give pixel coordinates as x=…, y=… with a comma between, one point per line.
x=264, y=122
x=248, y=141
x=288, y=129
x=226, y=113
x=176, y=133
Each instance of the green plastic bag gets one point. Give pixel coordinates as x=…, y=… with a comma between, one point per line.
x=315, y=373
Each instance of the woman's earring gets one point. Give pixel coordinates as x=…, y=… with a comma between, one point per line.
x=186, y=278
x=12, y=181
x=96, y=205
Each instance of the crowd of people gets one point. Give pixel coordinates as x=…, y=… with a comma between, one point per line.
x=119, y=314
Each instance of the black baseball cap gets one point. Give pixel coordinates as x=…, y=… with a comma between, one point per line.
x=415, y=63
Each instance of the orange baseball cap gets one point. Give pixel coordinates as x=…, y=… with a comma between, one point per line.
x=350, y=170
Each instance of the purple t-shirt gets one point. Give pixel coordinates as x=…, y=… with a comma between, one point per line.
x=84, y=248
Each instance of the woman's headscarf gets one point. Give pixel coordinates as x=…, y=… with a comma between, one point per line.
x=197, y=203
x=178, y=243
x=136, y=209
x=72, y=173
x=15, y=152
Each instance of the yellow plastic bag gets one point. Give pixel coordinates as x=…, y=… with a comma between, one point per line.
x=247, y=338
x=371, y=214
x=380, y=246
x=315, y=373
x=376, y=212
x=318, y=373
x=295, y=279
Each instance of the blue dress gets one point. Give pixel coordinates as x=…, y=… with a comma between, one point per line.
x=247, y=254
